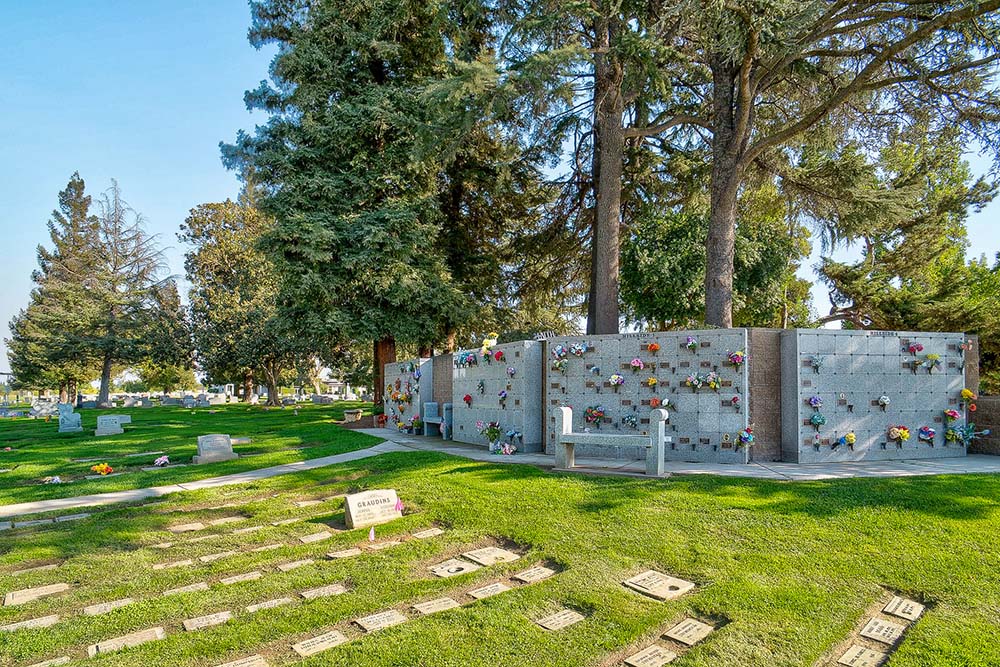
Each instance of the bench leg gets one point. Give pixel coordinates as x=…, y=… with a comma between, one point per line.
x=654, y=460
x=565, y=456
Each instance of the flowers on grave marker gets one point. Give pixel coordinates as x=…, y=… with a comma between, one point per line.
x=713, y=381
x=55, y=479
x=636, y=365
x=694, y=381
x=481, y=387
x=651, y=382
x=931, y=362
x=735, y=401
x=595, y=370
x=926, y=434
x=847, y=439
x=102, y=469
x=511, y=371
x=653, y=348
x=417, y=374
x=631, y=420
x=499, y=356
x=616, y=381
x=468, y=400
x=594, y=414
x=815, y=402
x=952, y=416
x=736, y=358
x=502, y=395
x=162, y=461
x=967, y=397
x=578, y=349
x=654, y=402
x=915, y=348
x=491, y=431
x=691, y=343
x=745, y=437
x=966, y=346
x=816, y=362
x=817, y=420
x=560, y=365
x=899, y=434
x=884, y=402
x=559, y=351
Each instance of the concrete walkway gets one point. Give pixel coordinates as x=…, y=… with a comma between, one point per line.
x=401, y=442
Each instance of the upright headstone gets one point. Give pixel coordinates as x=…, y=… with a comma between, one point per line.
x=189, y=402
x=213, y=448
x=69, y=421
x=370, y=508
x=108, y=425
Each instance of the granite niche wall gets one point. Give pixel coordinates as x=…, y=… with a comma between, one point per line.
x=483, y=380
x=707, y=412
x=403, y=397
x=839, y=386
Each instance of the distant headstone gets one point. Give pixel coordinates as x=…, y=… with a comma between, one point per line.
x=319, y=643
x=659, y=585
x=249, y=661
x=240, y=578
x=192, y=588
x=378, y=546
x=346, y=553
x=383, y=619
x=204, y=403
x=105, y=607
x=352, y=415
x=294, y=565
x=254, y=399
x=69, y=421
x=316, y=537
x=213, y=448
x=189, y=402
x=108, y=425
x=430, y=532
x=371, y=508
x=33, y=623
x=129, y=402
x=122, y=419
x=62, y=660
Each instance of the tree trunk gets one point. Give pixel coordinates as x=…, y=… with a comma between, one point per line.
x=102, y=396
x=247, y=386
x=384, y=353
x=727, y=150
x=425, y=352
x=451, y=341
x=609, y=148
x=71, y=390
x=272, y=390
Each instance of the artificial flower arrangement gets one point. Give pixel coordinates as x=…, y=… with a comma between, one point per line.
x=468, y=400
x=55, y=479
x=559, y=352
x=931, y=362
x=502, y=395
x=691, y=343
x=899, y=434
x=595, y=370
x=817, y=420
x=915, y=348
x=594, y=415
x=815, y=402
x=736, y=358
x=481, y=387
x=505, y=449
x=952, y=416
x=847, y=439
x=694, y=381
x=636, y=365
x=968, y=396
x=417, y=374
x=466, y=359
x=926, y=434
x=162, y=461
x=616, y=381
x=954, y=434
x=653, y=348
x=511, y=371
x=735, y=402
x=514, y=434
x=499, y=356
x=654, y=403
x=816, y=362
x=745, y=437
x=651, y=382
x=487, y=356
x=884, y=402
x=416, y=423
x=631, y=420
x=713, y=381
x=966, y=346
x=491, y=431
x=102, y=469
x=560, y=365
x=578, y=349
x=401, y=426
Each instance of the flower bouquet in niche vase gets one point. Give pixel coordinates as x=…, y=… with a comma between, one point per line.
x=616, y=381
x=491, y=432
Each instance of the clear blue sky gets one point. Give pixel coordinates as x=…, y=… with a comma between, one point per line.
x=142, y=92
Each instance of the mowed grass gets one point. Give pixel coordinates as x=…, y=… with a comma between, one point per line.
x=40, y=451
x=786, y=569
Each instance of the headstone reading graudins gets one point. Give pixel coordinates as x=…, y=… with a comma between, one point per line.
x=659, y=585
x=108, y=425
x=859, y=656
x=370, y=508
x=319, y=643
x=213, y=448
x=651, y=656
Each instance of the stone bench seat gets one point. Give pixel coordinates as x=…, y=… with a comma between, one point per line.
x=654, y=443
x=437, y=419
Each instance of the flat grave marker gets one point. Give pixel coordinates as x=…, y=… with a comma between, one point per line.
x=38, y=568
x=316, y=537
x=904, y=608
x=126, y=641
x=248, y=529
x=560, y=620
x=294, y=565
x=173, y=564
x=489, y=591
x=381, y=620
x=285, y=522
x=32, y=623
x=346, y=553
x=191, y=588
x=211, y=558
x=269, y=604
x=203, y=538
x=689, y=631
x=266, y=547
x=371, y=508
x=651, y=656
x=378, y=546
x=307, y=503
x=62, y=660
x=882, y=631
x=859, y=656
x=31, y=594
x=534, y=574
x=249, y=661
x=430, y=532
x=226, y=519
x=319, y=643
x=658, y=585
x=452, y=568
x=105, y=607
x=187, y=527
x=324, y=591
x=202, y=622
x=491, y=556
x=434, y=606
x=240, y=578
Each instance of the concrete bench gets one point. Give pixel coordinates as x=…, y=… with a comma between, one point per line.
x=655, y=442
x=437, y=421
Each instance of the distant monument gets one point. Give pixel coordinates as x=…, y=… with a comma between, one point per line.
x=69, y=421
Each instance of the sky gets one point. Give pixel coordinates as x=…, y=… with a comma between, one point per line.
x=143, y=92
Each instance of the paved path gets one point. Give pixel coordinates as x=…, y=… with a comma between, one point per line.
x=400, y=442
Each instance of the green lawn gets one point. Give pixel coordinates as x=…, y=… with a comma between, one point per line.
x=40, y=451
x=786, y=569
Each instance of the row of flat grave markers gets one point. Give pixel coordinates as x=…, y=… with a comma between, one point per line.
x=884, y=632
x=688, y=632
